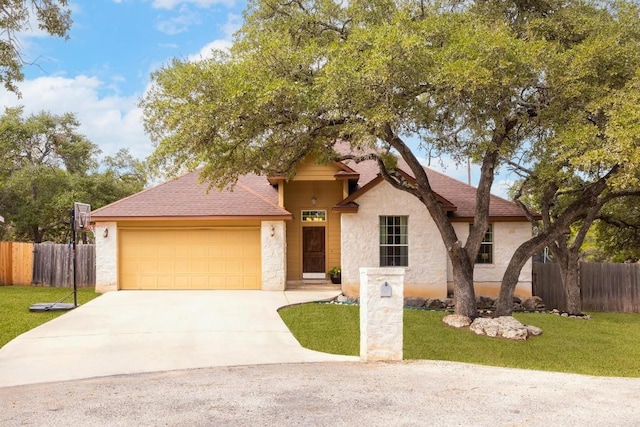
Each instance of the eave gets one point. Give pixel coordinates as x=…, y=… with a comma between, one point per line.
x=192, y=218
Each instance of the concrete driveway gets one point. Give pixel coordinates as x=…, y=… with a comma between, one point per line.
x=148, y=331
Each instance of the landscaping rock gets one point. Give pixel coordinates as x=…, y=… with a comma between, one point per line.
x=532, y=304
x=457, y=320
x=414, y=301
x=505, y=326
x=347, y=299
x=434, y=303
x=485, y=303
x=534, y=331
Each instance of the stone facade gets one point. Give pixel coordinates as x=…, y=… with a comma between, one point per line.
x=426, y=274
x=274, y=259
x=429, y=273
x=507, y=236
x=106, y=238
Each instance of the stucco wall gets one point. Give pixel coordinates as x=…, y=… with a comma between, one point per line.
x=106, y=256
x=507, y=236
x=274, y=249
x=426, y=274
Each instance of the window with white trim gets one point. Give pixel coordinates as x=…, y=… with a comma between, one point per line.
x=394, y=241
x=485, y=254
x=314, y=216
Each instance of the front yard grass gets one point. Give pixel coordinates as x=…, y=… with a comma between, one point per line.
x=607, y=345
x=16, y=300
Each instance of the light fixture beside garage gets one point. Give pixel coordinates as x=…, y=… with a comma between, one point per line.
x=105, y=233
x=273, y=231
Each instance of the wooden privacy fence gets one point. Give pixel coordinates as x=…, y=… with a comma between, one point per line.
x=604, y=287
x=16, y=263
x=46, y=264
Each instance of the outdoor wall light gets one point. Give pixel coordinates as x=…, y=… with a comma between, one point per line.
x=313, y=200
x=105, y=233
x=273, y=231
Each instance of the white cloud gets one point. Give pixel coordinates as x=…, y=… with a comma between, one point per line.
x=206, y=51
x=179, y=23
x=110, y=121
x=232, y=25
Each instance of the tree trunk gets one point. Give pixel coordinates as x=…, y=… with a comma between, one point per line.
x=571, y=280
x=464, y=296
x=38, y=234
x=568, y=259
x=504, y=305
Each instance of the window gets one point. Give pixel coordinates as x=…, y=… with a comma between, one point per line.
x=314, y=216
x=394, y=242
x=485, y=254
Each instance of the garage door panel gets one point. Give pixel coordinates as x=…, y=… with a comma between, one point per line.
x=190, y=259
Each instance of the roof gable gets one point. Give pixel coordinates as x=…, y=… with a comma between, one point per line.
x=457, y=197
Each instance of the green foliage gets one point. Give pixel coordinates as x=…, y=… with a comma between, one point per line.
x=16, y=300
x=552, y=85
x=16, y=16
x=46, y=166
x=618, y=233
x=548, y=87
x=605, y=345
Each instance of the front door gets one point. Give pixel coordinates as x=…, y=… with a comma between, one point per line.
x=313, y=248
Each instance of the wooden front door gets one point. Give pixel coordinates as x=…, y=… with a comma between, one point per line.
x=313, y=248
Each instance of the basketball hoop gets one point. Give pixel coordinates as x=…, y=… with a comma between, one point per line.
x=81, y=216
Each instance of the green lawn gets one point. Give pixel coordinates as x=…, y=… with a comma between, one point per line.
x=607, y=345
x=14, y=307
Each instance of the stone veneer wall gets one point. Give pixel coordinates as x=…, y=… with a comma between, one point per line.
x=106, y=256
x=426, y=274
x=274, y=259
x=507, y=236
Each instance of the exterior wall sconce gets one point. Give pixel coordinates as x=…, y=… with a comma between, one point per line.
x=105, y=233
x=313, y=200
x=273, y=231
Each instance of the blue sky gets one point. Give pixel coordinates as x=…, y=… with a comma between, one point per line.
x=104, y=68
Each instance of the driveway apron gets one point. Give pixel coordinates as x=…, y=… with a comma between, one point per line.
x=147, y=331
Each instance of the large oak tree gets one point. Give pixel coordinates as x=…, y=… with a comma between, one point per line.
x=480, y=80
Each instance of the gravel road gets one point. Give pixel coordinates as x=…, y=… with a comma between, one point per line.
x=428, y=393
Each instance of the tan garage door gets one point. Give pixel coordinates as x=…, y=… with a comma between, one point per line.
x=190, y=259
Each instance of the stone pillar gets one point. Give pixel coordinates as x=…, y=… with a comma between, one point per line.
x=106, y=238
x=381, y=316
x=273, y=238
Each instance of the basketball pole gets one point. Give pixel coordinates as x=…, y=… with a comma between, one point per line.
x=75, y=259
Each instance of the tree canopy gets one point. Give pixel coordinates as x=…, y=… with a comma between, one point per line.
x=16, y=16
x=47, y=166
x=540, y=84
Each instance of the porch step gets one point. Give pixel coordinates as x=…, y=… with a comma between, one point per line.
x=312, y=285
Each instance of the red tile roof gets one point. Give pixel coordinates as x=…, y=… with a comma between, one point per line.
x=254, y=197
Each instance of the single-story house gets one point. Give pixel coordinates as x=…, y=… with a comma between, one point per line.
x=271, y=232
